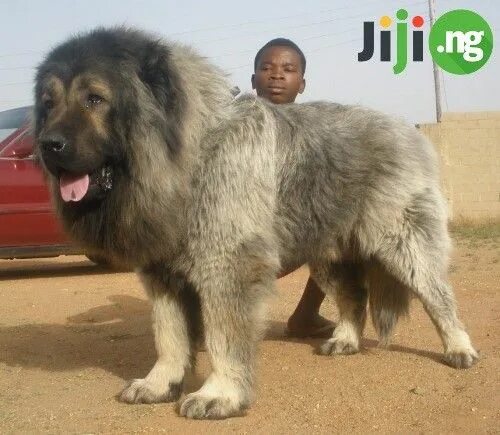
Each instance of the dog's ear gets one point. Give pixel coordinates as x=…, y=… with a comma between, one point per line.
x=158, y=74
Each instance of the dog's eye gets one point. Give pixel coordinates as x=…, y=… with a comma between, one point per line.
x=48, y=104
x=94, y=100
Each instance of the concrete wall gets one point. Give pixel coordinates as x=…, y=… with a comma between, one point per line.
x=469, y=146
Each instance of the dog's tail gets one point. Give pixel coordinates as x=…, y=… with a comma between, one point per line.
x=389, y=300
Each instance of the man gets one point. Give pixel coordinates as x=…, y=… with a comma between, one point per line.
x=279, y=69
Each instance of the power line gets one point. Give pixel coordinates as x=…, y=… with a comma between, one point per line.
x=22, y=53
x=333, y=45
x=15, y=84
x=17, y=68
x=17, y=101
x=331, y=20
x=234, y=53
x=238, y=25
x=351, y=29
x=274, y=19
x=308, y=51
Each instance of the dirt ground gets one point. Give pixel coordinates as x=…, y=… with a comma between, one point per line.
x=72, y=333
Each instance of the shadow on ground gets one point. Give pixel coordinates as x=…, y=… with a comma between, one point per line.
x=18, y=270
x=117, y=338
x=276, y=332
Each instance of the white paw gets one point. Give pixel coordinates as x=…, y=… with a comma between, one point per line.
x=218, y=398
x=344, y=341
x=200, y=406
x=144, y=391
x=463, y=359
x=459, y=352
x=336, y=346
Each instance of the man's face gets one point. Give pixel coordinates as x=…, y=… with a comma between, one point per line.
x=279, y=77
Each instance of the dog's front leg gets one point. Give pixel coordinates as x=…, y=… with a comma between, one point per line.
x=233, y=308
x=173, y=339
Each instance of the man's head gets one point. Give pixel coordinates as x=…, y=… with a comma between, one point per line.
x=279, y=69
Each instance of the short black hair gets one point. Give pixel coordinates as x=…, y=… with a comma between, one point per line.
x=281, y=42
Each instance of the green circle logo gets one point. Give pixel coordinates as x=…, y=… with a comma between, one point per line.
x=461, y=41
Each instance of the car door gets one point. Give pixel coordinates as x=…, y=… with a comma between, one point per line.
x=27, y=219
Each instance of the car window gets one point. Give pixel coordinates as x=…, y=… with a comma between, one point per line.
x=21, y=146
x=11, y=120
x=14, y=118
x=4, y=132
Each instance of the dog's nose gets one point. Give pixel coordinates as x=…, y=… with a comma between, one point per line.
x=54, y=143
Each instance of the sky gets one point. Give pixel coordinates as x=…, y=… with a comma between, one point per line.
x=231, y=32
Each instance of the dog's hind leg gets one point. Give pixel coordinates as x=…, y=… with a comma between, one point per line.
x=388, y=299
x=343, y=282
x=417, y=256
x=174, y=333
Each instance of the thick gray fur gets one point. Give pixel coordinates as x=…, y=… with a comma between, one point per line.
x=258, y=188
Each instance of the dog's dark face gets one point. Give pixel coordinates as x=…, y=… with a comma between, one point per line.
x=90, y=93
x=76, y=140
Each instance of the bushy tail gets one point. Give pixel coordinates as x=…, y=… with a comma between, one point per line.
x=389, y=300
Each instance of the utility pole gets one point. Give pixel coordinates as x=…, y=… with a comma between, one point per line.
x=437, y=83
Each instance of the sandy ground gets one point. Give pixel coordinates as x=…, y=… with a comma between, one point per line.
x=72, y=333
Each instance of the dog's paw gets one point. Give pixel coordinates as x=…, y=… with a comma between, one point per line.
x=337, y=346
x=461, y=359
x=200, y=406
x=144, y=391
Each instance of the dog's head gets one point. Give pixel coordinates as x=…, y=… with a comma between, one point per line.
x=93, y=93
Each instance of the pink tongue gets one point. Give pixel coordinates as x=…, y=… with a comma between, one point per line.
x=73, y=187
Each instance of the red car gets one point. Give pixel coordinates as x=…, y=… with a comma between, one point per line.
x=28, y=225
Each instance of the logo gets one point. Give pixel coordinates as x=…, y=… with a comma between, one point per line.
x=401, y=40
x=461, y=41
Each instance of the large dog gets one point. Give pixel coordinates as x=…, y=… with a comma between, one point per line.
x=152, y=162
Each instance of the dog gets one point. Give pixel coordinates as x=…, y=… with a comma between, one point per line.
x=152, y=162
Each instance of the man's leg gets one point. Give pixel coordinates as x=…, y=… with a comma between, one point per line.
x=306, y=320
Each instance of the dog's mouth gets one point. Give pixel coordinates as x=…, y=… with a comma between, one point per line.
x=80, y=187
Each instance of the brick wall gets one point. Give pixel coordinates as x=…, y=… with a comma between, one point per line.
x=469, y=146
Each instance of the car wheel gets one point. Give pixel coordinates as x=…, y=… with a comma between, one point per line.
x=108, y=264
x=99, y=260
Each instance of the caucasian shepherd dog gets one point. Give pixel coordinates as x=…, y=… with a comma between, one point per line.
x=152, y=162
